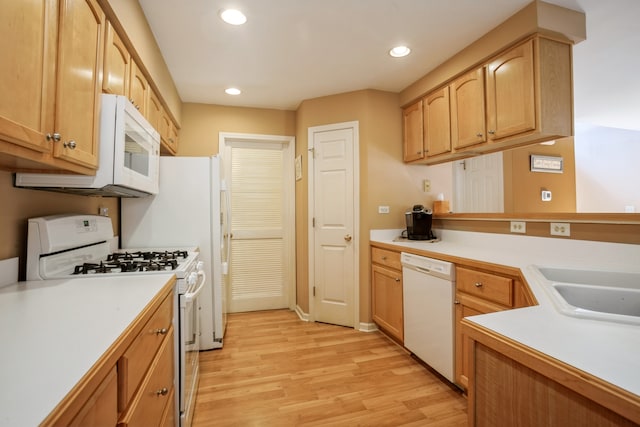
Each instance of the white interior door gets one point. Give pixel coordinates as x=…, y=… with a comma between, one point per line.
x=479, y=184
x=334, y=238
x=259, y=177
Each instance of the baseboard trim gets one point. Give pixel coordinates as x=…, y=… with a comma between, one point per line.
x=367, y=327
x=301, y=314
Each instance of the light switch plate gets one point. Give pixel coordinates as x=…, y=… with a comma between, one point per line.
x=426, y=185
x=560, y=229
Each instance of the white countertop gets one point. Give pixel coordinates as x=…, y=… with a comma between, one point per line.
x=52, y=332
x=608, y=350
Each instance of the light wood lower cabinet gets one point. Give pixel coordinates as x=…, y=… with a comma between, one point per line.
x=512, y=385
x=386, y=292
x=479, y=292
x=133, y=383
x=101, y=409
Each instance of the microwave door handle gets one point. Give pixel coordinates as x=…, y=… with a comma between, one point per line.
x=190, y=296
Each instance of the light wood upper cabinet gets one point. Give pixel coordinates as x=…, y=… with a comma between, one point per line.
x=168, y=135
x=50, y=84
x=468, y=117
x=527, y=93
x=117, y=64
x=27, y=72
x=138, y=88
x=413, y=134
x=511, y=100
x=80, y=47
x=436, y=123
x=154, y=110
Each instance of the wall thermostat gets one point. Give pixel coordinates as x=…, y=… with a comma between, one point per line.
x=546, y=195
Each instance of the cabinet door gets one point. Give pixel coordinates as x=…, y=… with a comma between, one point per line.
x=80, y=47
x=27, y=72
x=468, y=119
x=412, y=138
x=117, y=64
x=168, y=135
x=437, y=123
x=386, y=300
x=138, y=88
x=154, y=111
x=101, y=409
x=511, y=93
x=462, y=345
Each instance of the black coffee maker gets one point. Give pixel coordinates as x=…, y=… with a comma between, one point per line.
x=419, y=223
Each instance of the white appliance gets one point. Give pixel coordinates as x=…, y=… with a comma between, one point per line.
x=128, y=157
x=428, y=295
x=190, y=209
x=71, y=246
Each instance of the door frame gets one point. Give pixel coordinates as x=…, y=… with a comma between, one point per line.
x=289, y=143
x=356, y=213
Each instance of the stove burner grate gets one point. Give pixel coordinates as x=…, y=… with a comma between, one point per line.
x=125, y=263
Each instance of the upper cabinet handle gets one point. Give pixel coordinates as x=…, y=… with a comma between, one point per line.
x=53, y=136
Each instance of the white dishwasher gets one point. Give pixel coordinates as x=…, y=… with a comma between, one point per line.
x=428, y=295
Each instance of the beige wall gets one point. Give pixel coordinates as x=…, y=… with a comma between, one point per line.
x=201, y=124
x=19, y=204
x=522, y=187
x=384, y=179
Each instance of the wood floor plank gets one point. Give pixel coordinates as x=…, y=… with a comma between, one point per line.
x=276, y=370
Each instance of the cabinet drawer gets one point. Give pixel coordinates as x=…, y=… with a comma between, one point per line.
x=136, y=360
x=386, y=257
x=484, y=285
x=155, y=392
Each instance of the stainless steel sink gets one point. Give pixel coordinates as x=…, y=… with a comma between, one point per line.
x=603, y=295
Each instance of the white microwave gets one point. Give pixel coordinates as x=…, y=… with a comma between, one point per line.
x=128, y=160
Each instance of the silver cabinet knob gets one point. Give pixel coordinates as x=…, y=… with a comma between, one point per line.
x=162, y=331
x=162, y=392
x=479, y=135
x=397, y=279
x=71, y=145
x=478, y=284
x=492, y=132
x=53, y=136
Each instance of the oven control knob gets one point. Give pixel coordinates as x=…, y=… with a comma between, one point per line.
x=192, y=279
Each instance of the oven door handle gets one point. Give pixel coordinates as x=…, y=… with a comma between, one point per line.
x=190, y=296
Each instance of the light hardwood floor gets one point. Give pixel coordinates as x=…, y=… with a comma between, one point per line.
x=276, y=370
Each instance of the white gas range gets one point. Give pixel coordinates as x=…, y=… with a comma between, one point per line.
x=71, y=246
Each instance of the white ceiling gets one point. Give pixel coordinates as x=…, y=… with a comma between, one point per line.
x=292, y=50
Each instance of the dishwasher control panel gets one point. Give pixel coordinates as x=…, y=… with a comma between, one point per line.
x=428, y=265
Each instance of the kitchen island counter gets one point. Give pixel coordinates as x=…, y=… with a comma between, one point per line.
x=604, y=349
x=54, y=332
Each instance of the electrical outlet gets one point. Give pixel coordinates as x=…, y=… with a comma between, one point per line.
x=518, y=227
x=560, y=229
x=426, y=185
x=383, y=209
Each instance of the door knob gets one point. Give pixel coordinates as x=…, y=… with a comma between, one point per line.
x=347, y=238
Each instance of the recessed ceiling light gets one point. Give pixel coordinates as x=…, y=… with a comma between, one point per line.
x=233, y=16
x=399, y=51
x=233, y=91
